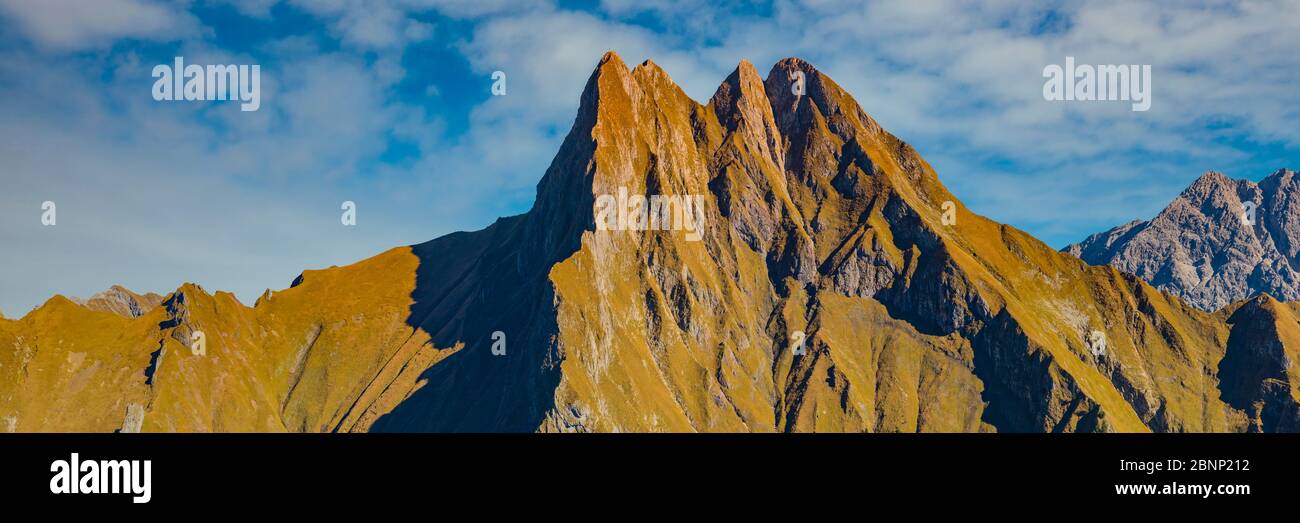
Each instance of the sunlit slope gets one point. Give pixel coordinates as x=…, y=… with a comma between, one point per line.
x=66, y=367
x=826, y=292
x=300, y=360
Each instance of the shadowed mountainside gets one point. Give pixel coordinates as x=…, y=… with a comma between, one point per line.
x=827, y=293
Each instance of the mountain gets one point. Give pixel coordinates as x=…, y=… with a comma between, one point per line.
x=829, y=282
x=1206, y=248
x=122, y=301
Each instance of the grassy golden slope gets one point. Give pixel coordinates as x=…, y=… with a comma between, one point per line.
x=297, y=361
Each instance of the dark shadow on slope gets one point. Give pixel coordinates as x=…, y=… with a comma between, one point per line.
x=154, y=358
x=1016, y=382
x=466, y=301
x=470, y=286
x=1253, y=374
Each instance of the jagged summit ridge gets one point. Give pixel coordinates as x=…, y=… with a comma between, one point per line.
x=1221, y=240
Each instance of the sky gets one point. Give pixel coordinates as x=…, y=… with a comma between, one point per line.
x=388, y=104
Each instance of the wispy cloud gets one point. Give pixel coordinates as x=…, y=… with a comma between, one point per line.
x=82, y=24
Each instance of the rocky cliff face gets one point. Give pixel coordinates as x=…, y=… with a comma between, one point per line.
x=1207, y=247
x=831, y=284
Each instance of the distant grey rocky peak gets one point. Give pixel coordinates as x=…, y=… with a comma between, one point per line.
x=1207, y=247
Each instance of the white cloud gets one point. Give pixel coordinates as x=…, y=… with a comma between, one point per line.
x=367, y=23
x=476, y=8
x=389, y=24
x=82, y=24
x=253, y=8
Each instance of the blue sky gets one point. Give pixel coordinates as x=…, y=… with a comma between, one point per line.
x=388, y=104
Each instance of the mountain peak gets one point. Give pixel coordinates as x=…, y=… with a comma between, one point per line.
x=610, y=68
x=1212, y=178
x=794, y=63
x=121, y=301
x=1281, y=175
x=742, y=97
x=1214, y=186
x=747, y=71
x=801, y=94
x=611, y=77
x=55, y=303
x=610, y=57
x=649, y=69
x=656, y=83
x=1205, y=248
